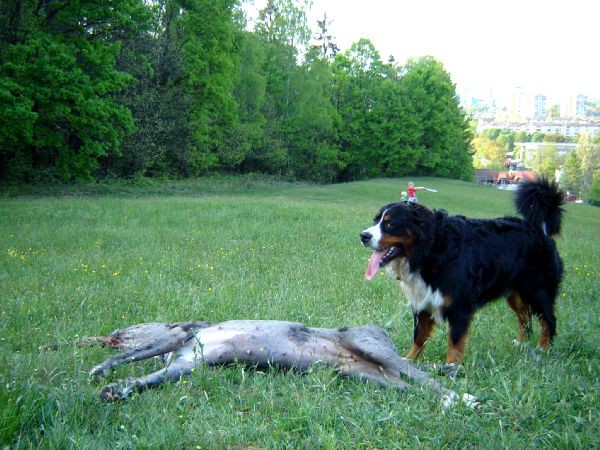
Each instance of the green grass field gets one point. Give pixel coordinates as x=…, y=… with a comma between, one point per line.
x=245, y=248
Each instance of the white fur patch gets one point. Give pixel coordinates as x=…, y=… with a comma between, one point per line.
x=375, y=231
x=206, y=342
x=419, y=294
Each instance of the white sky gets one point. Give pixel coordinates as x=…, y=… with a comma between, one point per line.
x=544, y=46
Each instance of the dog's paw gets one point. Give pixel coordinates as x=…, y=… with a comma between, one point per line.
x=99, y=372
x=451, y=370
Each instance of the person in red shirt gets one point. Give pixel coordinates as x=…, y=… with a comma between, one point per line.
x=412, y=198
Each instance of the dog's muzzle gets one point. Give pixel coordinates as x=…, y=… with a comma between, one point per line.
x=365, y=238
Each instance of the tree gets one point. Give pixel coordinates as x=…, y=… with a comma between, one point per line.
x=211, y=66
x=571, y=176
x=537, y=137
x=554, y=111
x=506, y=138
x=158, y=99
x=544, y=160
x=547, y=163
x=588, y=151
x=444, y=127
x=397, y=131
x=522, y=136
x=284, y=34
x=556, y=138
x=488, y=153
x=57, y=85
x=325, y=41
x=594, y=192
x=313, y=150
x=250, y=92
x=357, y=73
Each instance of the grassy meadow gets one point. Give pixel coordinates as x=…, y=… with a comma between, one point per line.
x=86, y=261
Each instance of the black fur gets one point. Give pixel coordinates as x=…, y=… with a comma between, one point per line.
x=474, y=261
x=540, y=203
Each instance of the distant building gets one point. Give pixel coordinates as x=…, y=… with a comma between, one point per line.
x=573, y=106
x=540, y=106
x=569, y=128
x=488, y=176
x=581, y=106
x=524, y=150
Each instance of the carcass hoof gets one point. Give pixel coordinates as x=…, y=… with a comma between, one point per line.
x=99, y=372
x=111, y=393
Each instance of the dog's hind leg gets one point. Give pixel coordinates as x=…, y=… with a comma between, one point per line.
x=169, y=341
x=541, y=300
x=547, y=320
x=121, y=389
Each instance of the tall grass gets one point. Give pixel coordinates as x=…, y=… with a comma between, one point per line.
x=80, y=265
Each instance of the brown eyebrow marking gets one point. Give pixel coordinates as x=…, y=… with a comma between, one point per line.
x=387, y=218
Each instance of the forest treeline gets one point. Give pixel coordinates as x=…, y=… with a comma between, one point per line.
x=97, y=89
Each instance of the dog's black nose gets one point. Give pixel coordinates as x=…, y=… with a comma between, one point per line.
x=365, y=237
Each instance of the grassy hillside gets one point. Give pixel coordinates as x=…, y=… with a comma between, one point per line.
x=218, y=249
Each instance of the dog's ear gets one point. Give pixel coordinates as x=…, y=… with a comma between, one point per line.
x=422, y=230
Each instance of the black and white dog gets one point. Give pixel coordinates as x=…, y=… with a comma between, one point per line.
x=450, y=266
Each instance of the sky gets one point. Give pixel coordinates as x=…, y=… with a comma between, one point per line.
x=550, y=47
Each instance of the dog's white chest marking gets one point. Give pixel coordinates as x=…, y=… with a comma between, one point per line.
x=420, y=296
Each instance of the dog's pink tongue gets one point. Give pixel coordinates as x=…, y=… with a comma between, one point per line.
x=373, y=266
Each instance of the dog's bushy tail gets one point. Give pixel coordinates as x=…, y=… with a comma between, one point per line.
x=540, y=203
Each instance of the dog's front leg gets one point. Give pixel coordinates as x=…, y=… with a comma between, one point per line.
x=423, y=327
x=121, y=389
x=167, y=343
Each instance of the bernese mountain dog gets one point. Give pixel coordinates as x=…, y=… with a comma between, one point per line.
x=450, y=266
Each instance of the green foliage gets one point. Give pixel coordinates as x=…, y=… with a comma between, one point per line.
x=489, y=153
x=588, y=151
x=594, y=192
x=158, y=100
x=130, y=88
x=210, y=63
x=571, y=179
x=445, y=133
x=58, y=83
x=313, y=150
x=557, y=138
x=537, y=137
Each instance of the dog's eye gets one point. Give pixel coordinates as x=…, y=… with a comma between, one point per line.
x=387, y=225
